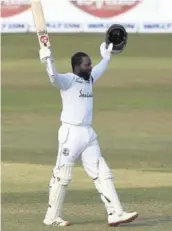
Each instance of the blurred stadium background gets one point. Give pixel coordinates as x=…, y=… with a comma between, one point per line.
x=133, y=112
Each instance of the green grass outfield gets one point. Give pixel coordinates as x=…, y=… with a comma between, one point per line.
x=133, y=118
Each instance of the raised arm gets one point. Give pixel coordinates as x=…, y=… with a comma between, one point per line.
x=100, y=68
x=61, y=81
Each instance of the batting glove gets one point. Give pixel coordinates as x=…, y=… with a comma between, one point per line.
x=44, y=54
x=106, y=52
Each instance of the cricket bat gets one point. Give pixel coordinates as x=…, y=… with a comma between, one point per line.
x=40, y=24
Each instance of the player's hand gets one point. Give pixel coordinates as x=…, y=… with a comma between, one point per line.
x=44, y=54
x=106, y=52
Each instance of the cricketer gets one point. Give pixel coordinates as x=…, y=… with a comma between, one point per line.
x=77, y=138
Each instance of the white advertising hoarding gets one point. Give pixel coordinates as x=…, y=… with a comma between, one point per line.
x=150, y=16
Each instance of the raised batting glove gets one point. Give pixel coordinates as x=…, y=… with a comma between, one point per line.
x=106, y=52
x=44, y=54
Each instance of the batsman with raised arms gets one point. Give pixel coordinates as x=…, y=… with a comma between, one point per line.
x=76, y=137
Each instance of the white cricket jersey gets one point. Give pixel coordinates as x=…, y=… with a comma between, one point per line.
x=77, y=102
x=76, y=94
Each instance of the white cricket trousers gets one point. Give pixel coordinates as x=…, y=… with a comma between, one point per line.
x=78, y=141
x=81, y=141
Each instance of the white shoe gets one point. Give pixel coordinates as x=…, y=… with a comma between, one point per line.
x=57, y=222
x=115, y=220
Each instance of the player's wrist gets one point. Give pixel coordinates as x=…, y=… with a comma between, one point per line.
x=107, y=58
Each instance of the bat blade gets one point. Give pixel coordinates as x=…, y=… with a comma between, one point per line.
x=40, y=24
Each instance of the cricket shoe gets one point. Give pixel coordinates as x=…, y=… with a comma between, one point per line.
x=58, y=222
x=116, y=220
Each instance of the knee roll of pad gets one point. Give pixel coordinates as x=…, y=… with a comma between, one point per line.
x=64, y=174
x=103, y=170
x=61, y=178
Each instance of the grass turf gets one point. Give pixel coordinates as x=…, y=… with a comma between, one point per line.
x=133, y=107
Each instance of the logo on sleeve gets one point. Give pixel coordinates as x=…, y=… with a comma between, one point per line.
x=66, y=152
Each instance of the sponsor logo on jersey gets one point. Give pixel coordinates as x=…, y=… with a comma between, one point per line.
x=86, y=94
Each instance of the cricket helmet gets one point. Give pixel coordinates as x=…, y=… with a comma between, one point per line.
x=117, y=35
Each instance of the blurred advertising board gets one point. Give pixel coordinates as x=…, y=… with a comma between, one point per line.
x=90, y=16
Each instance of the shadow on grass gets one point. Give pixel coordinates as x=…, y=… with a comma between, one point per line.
x=115, y=158
x=83, y=207
x=141, y=196
x=139, y=222
x=151, y=221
